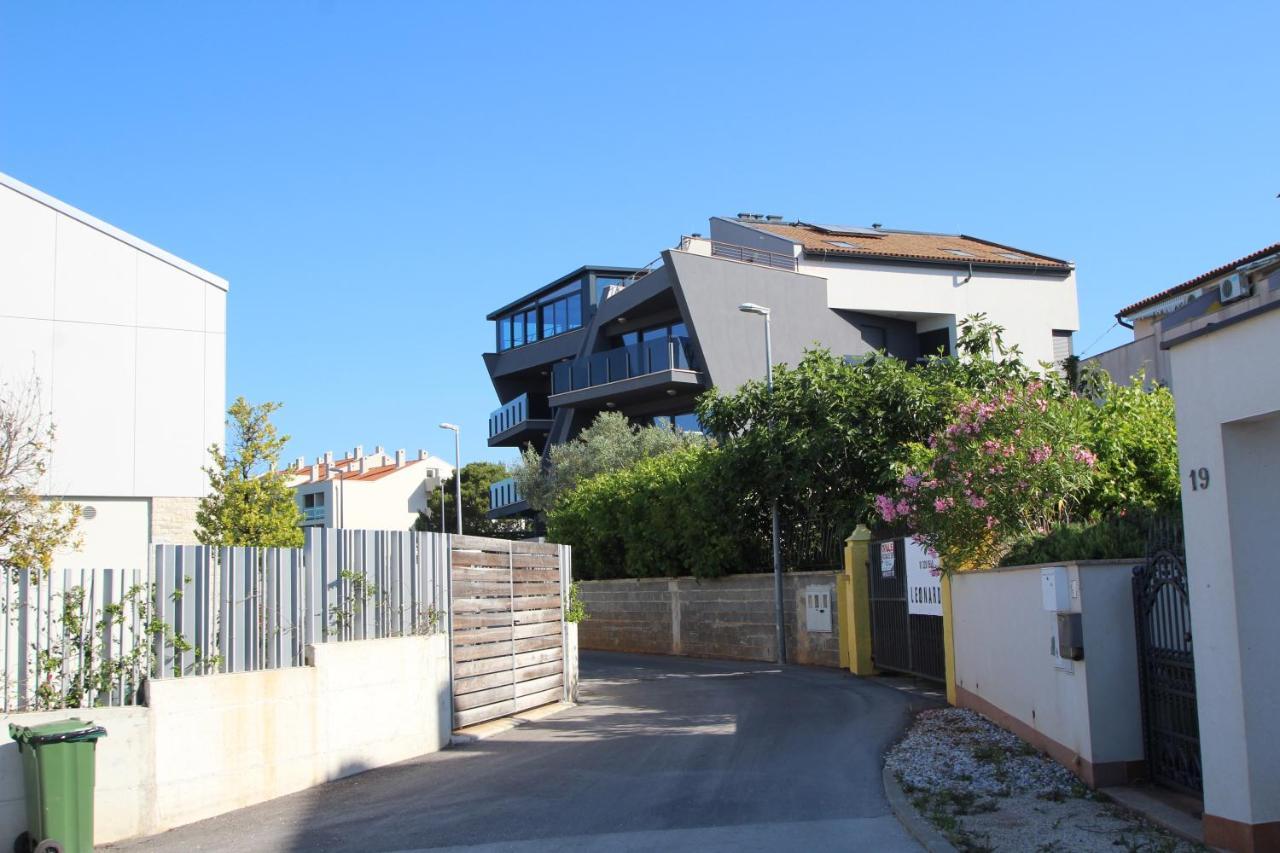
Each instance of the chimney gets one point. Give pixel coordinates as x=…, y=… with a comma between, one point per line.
x=315, y=471
x=399, y=458
x=358, y=452
x=328, y=457
x=363, y=463
x=300, y=463
x=379, y=450
x=422, y=455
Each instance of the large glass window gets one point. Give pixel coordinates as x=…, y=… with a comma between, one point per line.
x=687, y=422
x=556, y=313
x=655, y=333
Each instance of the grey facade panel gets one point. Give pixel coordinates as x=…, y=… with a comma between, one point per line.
x=730, y=344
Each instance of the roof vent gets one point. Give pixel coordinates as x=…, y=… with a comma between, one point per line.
x=877, y=225
x=773, y=217
x=88, y=513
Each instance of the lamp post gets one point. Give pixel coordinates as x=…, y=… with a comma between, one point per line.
x=752, y=308
x=457, y=472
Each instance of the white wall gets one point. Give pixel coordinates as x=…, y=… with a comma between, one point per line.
x=389, y=503
x=1088, y=709
x=116, y=538
x=1028, y=307
x=211, y=744
x=129, y=343
x=1227, y=417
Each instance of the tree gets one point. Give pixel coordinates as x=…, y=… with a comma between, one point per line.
x=832, y=433
x=249, y=502
x=610, y=443
x=31, y=527
x=477, y=477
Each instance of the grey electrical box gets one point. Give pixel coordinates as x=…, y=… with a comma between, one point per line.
x=1070, y=636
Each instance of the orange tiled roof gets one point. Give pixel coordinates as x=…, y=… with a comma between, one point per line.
x=910, y=245
x=1198, y=280
x=369, y=474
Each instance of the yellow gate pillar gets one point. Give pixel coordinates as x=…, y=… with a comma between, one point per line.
x=948, y=638
x=855, y=605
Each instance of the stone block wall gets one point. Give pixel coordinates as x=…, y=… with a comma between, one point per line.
x=173, y=521
x=730, y=617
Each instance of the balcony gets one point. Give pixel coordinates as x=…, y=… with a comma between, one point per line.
x=505, y=499
x=518, y=422
x=313, y=515
x=645, y=369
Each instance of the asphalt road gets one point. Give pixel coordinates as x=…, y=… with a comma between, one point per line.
x=662, y=753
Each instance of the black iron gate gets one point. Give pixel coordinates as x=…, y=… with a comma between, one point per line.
x=1166, y=662
x=901, y=641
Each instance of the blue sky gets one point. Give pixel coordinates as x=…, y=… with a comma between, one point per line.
x=373, y=178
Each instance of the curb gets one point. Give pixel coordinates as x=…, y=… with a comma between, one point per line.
x=481, y=731
x=915, y=825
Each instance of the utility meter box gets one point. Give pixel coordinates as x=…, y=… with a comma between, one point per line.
x=817, y=609
x=1055, y=591
x=1070, y=636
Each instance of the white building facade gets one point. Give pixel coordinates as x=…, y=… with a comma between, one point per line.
x=930, y=280
x=128, y=343
x=374, y=491
x=1229, y=450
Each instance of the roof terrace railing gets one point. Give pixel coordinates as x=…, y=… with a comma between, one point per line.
x=638, y=359
x=745, y=254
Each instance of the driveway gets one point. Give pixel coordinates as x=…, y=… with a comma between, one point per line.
x=662, y=753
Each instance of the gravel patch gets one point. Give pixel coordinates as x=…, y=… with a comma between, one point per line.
x=986, y=789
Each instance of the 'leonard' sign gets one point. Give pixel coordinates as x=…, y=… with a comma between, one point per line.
x=924, y=581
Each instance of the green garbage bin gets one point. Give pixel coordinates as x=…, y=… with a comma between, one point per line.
x=57, y=766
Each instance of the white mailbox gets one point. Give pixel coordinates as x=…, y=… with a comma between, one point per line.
x=1055, y=591
x=817, y=609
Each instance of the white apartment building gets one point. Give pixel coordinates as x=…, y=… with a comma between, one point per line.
x=374, y=491
x=129, y=345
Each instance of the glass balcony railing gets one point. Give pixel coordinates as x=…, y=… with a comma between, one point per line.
x=638, y=359
x=507, y=416
x=313, y=515
x=504, y=493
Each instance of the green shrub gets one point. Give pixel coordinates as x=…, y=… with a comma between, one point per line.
x=1115, y=538
x=663, y=516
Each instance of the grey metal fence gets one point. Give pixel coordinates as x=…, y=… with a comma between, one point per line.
x=77, y=638
x=84, y=638
x=247, y=609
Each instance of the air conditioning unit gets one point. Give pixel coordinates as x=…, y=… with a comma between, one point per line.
x=1233, y=287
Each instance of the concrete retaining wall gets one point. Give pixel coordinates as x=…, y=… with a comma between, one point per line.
x=729, y=617
x=204, y=746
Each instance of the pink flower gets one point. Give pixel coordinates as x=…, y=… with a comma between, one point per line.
x=977, y=502
x=991, y=447
x=911, y=481
x=991, y=521
x=903, y=508
x=943, y=504
x=886, y=508
x=1040, y=454
x=1042, y=405
x=1085, y=456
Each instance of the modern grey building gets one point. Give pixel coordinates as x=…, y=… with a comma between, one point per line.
x=648, y=342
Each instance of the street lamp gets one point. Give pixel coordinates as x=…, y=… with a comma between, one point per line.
x=457, y=472
x=752, y=308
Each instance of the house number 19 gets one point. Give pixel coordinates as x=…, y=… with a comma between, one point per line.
x=1199, y=479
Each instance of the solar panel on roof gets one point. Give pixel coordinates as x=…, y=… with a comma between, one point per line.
x=847, y=230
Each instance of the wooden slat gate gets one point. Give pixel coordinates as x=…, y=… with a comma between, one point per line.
x=506, y=622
